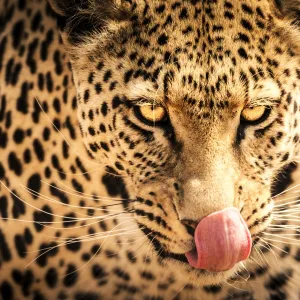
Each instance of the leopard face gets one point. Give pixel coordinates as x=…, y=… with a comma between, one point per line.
x=194, y=103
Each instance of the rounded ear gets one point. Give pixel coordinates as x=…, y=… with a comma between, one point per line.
x=77, y=19
x=289, y=9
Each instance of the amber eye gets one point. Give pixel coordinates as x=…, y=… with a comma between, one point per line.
x=255, y=114
x=151, y=114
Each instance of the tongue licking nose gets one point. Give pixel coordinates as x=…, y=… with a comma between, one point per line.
x=222, y=239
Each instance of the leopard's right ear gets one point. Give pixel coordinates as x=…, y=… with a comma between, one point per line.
x=77, y=19
x=289, y=9
x=62, y=8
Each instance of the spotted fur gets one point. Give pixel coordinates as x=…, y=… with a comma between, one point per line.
x=95, y=202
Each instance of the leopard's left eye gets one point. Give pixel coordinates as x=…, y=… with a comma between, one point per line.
x=151, y=114
x=255, y=114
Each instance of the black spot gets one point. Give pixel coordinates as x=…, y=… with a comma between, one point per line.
x=18, y=206
x=2, y=171
x=243, y=37
x=104, y=146
x=107, y=76
x=77, y=186
x=87, y=295
x=121, y=274
x=128, y=76
x=6, y=291
x=101, y=127
x=12, y=72
x=42, y=217
x=4, y=249
x=30, y=61
x=285, y=157
x=51, y=277
x=19, y=135
x=34, y=184
x=91, y=131
x=69, y=220
x=26, y=282
x=56, y=105
x=46, y=134
x=8, y=120
x=2, y=107
x=100, y=66
x=58, y=63
x=71, y=128
x=86, y=96
x=28, y=236
x=14, y=163
x=183, y=14
x=147, y=275
x=98, y=271
x=17, y=33
x=36, y=21
x=242, y=52
x=278, y=280
x=229, y=15
x=37, y=295
x=73, y=244
x=91, y=77
x=2, y=49
x=131, y=256
x=71, y=275
x=56, y=124
x=59, y=194
x=247, y=9
x=36, y=112
x=3, y=207
x=39, y=150
x=56, y=164
x=17, y=276
x=114, y=184
x=27, y=156
x=241, y=295
x=212, y=289
x=247, y=25
x=65, y=148
x=162, y=39
x=3, y=139
x=45, y=45
x=98, y=88
x=284, y=179
x=116, y=102
x=104, y=109
x=20, y=245
x=49, y=82
x=46, y=250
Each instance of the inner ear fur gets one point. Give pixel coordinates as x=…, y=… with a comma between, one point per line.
x=289, y=9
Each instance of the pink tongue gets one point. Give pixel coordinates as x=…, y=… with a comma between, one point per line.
x=222, y=240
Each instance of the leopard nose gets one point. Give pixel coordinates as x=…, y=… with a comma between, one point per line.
x=204, y=197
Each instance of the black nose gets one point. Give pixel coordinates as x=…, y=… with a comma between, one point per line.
x=190, y=226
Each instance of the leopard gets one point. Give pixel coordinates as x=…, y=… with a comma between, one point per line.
x=148, y=149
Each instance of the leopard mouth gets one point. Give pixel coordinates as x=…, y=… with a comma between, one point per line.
x=221, y=240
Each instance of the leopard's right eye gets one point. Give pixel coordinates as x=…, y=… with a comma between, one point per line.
x=255, y=115
x=151, y=114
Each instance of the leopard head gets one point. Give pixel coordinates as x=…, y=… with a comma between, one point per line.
x=194, y=103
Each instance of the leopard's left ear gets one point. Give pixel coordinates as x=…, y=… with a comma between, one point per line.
x=77, y=19
x=289, y=9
